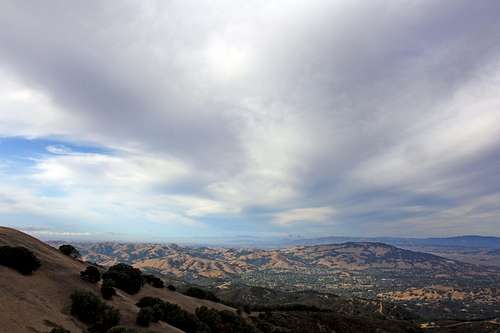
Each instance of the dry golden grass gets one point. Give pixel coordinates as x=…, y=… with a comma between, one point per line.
x=37, y=302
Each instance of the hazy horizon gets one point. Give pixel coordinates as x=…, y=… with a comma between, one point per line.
x=201, y=119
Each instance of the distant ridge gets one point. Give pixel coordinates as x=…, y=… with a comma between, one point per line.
x=495, y=252
x=472, y=241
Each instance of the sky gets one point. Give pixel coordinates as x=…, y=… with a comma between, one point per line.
x=160, y=120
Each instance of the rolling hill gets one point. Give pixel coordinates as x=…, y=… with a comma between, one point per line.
x=37, y=302
x=468, y=241
x=40, y=301
x=366, y=270
x=195, y=263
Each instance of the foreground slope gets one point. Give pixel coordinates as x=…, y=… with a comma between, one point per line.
x=37, y=302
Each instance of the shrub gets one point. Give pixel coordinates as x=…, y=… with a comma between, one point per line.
x=171, y=287
x=89, y=309
x=154, y=281
x=158, y=311
x=201, y=294
x=149, y=301
x=172, y=314
x=59, y=330
x=144, y=317
x=69, y=250
x=107, y=289
x=125, y=277
x=119, y=329
x=210, y=317
x=223, y=321
x=110, y=317
x=19, y=258
x=91, y=274
x=85, y=306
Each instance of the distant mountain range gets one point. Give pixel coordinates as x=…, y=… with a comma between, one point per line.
x=194, y=263
x=495, y=252
x=407, y=288
x=487, y=242
x=370, y=270
x=40, y=301
x=466, y=241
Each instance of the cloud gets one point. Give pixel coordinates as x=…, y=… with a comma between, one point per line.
x=96, y=170
x=59, y=149
x=315, y=214
x=51, y=233
x=239, y=110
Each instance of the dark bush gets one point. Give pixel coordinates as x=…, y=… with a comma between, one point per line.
x=171, y=287
x=89, y=309
x=205, y=320
x=158, y=306
x=223, y=321
x=119, y=329
x=201, y=294
x=69, y=250
x=172, y=314
x=149, y=301
x=229, y=316
x=85, y=306
x=91, y=274
x=288, y=308
x=125, y=277
x=19, y=258
x=144, y=317
x=158, y=311
x=109, y=318
x=59, y=330
x=210, y=317
x=107, y=289
x=154, y=281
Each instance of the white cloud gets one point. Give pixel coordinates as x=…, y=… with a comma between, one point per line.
x=313, y=214
x=51, y=233
x=59, y=149
x=462, y=127
x=228, y=108
x=27, y=111
x=86, y=170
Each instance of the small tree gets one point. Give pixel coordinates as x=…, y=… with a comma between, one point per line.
x=144, y=317
x=107, y=289
x=110, y=317
x=171, y=314
x=69, y=250
x=59, y=330
x=121, y=330
x=210, y=317
x=91, y=274
x=154, y=281
x=201, y=294
x=126, y=278
x=19, y=258
x=89, y=309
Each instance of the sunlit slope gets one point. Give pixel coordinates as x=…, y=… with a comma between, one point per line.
x=37, y=302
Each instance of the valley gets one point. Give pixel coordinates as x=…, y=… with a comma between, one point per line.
x=428, y=285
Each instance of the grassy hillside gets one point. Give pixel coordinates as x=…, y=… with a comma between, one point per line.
x=37, y=302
